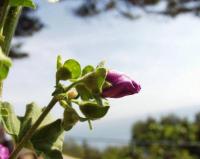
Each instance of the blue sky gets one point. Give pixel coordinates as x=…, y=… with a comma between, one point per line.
x=161, y=53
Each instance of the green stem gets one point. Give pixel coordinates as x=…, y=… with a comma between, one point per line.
x=3, y=14
x=10, y=23
x=90, y=124
x=31, y=131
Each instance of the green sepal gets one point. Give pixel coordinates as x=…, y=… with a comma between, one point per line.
x=83, y=92
x=106, y=85
x=94, y=81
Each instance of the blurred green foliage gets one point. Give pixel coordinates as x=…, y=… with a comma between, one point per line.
x=170, y=137
x=85, y=151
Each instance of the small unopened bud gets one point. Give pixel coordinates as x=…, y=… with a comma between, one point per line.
x=72, y=93
x=121, y=85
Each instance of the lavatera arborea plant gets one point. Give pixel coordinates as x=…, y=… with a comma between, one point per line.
x=87, y=88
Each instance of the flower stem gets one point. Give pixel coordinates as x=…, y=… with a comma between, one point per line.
x=10, y=23
x=31, y=131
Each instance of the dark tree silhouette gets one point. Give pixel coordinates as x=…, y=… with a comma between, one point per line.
x=173, y=7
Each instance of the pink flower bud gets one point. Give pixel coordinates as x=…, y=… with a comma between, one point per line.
x=122, y=85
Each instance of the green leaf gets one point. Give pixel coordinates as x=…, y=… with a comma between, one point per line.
x=63, y=74
x=94, y=81
x=70, y=118
x=87, y=69
x=92, y=110
x=70, y=70
x=5, y=64
x=74, y=68
x=48, y=140
x=23, y=3
x=83, y=92
x=33, y=111
x=9, y=120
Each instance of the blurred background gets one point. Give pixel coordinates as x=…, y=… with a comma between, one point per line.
x=154, y=41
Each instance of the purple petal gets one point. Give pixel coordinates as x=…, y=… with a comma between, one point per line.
x=113, y=76
x=136, y=86
x=120, y=90
x=4, y=152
